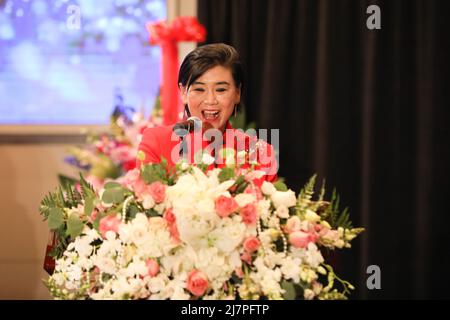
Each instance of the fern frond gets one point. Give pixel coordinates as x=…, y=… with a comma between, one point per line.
x=334, y=216
x=306, y=193
x=86, y=188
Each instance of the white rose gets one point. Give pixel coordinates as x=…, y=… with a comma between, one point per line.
x=268, y=188
x=282, y=212
x=148, y=201
x=284, y=198
x=244, y=199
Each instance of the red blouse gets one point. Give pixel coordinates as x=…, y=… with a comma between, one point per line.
x=163, y=142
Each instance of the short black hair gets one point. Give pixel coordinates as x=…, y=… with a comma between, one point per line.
x=205, y=57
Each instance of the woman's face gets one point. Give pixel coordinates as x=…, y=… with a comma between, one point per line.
x=212, y=96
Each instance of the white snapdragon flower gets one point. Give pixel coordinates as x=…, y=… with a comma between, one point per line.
x=290, y=269
x=311, y=216
x=82, y=246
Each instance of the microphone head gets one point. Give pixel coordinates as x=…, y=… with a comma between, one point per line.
x=191, y=124
x=196, y=122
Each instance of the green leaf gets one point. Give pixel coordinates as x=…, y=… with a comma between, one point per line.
x=74, y=226
x=113, y=195
x=55, y=218
x=290, y=290
x=152, y=213
x=226, y=174
x=132, y=211
x=280, y=186
x=112, y=184
x=154, y=172
x=88, y=205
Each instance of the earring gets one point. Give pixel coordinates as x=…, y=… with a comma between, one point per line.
x=235, y=108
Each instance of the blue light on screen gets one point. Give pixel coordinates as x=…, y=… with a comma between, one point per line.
x=62, y=61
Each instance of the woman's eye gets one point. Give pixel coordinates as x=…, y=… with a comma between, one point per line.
x=221, y=90
x=199, y=89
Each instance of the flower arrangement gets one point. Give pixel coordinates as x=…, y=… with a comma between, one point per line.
x=189, y=233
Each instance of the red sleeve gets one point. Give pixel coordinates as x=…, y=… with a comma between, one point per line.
x=150, y=147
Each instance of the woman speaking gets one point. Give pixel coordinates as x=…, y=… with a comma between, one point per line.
x=211, y=83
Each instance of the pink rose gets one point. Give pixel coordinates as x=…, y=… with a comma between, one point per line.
x=197, y=283
x=249, y=214
x=139, y=187
x=225, y=206
x=152, y=267
x=251, y=244
x=158, y=191
x=109, y=223
x=300, y=239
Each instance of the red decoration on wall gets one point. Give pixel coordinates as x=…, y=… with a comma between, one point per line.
x=167, y=36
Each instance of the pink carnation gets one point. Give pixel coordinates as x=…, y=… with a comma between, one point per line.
x=171, y=222
x=255, y=191
x=225, y=206
x=249, y=214
x=109, y=223
x=247, y=257
x=197, y=283
x=123, y=153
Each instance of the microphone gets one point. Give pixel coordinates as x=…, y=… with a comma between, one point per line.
x=184, y=127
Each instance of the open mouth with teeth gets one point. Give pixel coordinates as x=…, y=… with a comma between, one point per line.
x=210, y=114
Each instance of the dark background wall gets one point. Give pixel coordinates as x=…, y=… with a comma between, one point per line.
x=365, y=109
